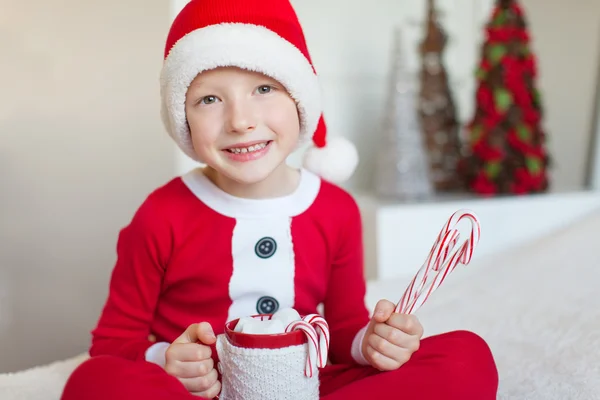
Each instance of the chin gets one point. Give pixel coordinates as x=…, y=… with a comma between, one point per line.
x=249, y=174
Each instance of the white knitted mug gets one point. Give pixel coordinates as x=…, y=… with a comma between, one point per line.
x=266, y=366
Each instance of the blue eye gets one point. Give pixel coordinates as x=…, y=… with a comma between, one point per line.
x=208, y=100
x=264, y=89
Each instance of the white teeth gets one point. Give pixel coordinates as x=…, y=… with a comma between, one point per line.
x=249, y=149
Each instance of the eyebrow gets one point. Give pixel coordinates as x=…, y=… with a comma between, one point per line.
x=196, y=83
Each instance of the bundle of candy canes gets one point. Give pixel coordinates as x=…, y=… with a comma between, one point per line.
x=441, y=261
x=286, y=320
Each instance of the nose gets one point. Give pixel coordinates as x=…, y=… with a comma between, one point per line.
x=241, y=118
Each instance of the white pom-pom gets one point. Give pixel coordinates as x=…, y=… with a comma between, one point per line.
x=335, y=162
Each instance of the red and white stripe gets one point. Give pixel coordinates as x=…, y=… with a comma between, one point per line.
x=322, y=329
x=313, y=343
x=441, y=261
x=317, y=331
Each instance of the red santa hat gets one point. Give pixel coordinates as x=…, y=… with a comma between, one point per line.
x=258, y=35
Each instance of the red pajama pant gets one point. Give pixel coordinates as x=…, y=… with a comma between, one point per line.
x=452, y=366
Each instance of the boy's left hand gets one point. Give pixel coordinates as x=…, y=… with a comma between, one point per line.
x=391, y=338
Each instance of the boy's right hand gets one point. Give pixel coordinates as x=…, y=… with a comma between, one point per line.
x=189, y=359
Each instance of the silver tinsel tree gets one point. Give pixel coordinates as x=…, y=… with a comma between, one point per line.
x=402, y=163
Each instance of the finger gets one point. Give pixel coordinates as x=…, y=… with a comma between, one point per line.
x=193, y=369
x=201, y=332
x=397, y=337
x=383, y=310
x=210, y=393
x=409, y=324
x=187, y=352
x=201, y=383
x=381, y=361
x=206, y=334
x=386, y=348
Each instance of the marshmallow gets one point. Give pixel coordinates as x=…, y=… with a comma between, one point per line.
x=277, y=324
x=258, y=327
x=240, y=325
x=287, y=316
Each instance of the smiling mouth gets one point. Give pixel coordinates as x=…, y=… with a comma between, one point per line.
x=249, y=149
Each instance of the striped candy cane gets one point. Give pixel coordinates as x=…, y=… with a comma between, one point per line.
x=440, y=261
x=313, y=343
x=322, y=329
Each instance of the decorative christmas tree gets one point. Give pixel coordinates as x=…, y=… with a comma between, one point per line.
x=437, y=109
x=402, y=165
x=505, y=146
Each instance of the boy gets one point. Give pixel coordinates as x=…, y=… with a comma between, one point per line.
x=247, y=234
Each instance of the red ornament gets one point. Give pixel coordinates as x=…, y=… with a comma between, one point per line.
x=485, y=98
x=488, y=153
x=483, y=185
x=522, y=35
x=530, y=65
x=518, y=188
x=492, y=119
x=514, y=141
x=536, y=152
x=531, y=116
x=498, y=35
x=516, y=9
x=485, y=65
x=521, y=96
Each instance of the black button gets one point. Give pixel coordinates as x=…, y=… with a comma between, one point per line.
x=267, y=305
x=265, y=247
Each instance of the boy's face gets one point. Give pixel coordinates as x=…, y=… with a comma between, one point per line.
x=243, y=124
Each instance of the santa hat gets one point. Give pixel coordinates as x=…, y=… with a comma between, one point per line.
x=258, y=35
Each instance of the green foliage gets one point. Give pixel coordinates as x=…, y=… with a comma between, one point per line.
x=534, y=165
x=524, y=133
x=500, y=19
x=496, y=52
x=492, y=169
x=476, y=133
x=503, y=99
x=480, y=74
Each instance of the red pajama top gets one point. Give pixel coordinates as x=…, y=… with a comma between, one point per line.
x=194, y=253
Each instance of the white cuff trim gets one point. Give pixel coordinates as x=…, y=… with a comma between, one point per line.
x=156, y=353
x=357, y=347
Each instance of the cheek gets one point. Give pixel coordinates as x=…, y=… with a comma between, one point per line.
x=204, y=130
x=287, y=122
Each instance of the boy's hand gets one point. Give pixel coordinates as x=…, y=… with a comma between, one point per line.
x=391, y=338
x=188, y=359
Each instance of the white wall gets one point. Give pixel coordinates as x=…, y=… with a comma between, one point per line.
x=81, y=146
x=569, y=54
x=594, y=162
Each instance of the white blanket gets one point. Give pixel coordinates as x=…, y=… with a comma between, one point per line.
x=538, y=308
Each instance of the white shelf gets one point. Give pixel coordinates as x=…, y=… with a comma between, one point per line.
x=399, y=236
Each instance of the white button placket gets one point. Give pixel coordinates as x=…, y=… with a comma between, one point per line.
x=263, y=266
